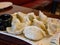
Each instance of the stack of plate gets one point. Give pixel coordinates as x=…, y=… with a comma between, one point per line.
x=5, y=5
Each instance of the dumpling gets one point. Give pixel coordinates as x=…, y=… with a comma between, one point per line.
x=38, y=18
x=16, y=27
x=39, y=24
x=27, y=21
x=33, y=33
x=21, y=16
x=56, y=22
x=53, y=20
x=43, y=17
x=58, y=27
x=14, y=15
x=31, y=16
x=51, y=28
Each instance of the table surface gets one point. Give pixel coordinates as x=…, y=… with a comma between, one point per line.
x=6, y=40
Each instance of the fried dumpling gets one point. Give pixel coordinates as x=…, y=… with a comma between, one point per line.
x=43, y=17
x=33, y=33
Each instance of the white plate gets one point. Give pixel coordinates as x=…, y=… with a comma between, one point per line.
x=5, y=4
x=21, y=37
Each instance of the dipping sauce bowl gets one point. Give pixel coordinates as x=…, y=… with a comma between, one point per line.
x=5, y=21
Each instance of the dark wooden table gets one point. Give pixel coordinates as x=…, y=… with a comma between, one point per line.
x=8, y=40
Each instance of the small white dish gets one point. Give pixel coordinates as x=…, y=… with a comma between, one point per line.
x=5, y=4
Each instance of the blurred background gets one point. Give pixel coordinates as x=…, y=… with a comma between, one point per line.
x=51, y=6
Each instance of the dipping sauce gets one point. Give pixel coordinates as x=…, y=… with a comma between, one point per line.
x=5, y=21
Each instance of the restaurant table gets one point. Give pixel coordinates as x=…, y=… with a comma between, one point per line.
x=8, y=40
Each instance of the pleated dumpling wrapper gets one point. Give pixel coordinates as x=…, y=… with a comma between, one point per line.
x=58, y=26
x=16, y=27
x=39, y=24
x=33, y=33
x=31, y=16
x=52, y=26
x=38, y=18
x=23, y=18
x=43, y=17
x=27, y=21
